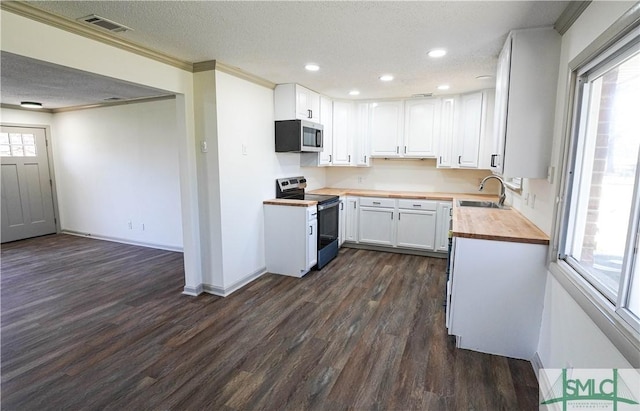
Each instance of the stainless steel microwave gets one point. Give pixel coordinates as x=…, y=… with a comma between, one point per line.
x=297, y=136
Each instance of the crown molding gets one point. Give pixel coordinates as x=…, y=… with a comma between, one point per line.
x=234, y=71
x=72, y=26
x=201, y=66
x=570, y=14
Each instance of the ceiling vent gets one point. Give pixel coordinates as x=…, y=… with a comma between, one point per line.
x=422, y=95
x=105, y=24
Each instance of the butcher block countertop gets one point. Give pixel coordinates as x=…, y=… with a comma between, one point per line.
x=468, y=222
x=291, y=203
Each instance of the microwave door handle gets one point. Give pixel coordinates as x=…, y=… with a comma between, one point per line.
x=319, y=138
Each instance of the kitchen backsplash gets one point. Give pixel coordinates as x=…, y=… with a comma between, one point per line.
x=407, y=175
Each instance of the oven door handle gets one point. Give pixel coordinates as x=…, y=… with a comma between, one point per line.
x=328, y=205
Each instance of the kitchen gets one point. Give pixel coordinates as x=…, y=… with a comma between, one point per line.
x=238, y=220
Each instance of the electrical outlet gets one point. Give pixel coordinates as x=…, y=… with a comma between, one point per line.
x=360, y=179
x=526, y=198
x=203, y=147
x=130, y=225
x=244, y=149
x=550, y=172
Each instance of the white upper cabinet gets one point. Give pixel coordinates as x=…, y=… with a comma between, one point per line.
x=292, y=101
x=326, y=119
x=464, y=129
x=343, y=129
x=361, y=143
x=421, y=127
x=385, y=128
x=526, y=86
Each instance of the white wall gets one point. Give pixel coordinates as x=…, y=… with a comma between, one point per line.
x=408, y=175
x=116, y=165
x=245, y=117
x=568, y=335
x=25, y=117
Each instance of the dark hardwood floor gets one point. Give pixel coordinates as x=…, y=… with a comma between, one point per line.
x=89, y=324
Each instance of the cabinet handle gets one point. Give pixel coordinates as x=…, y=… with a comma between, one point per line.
x=309, y=114
x=399, y=215
x=417, y=205
x=376, y=202
x=392, y=215
x=330, y=158
x=349, y=157
x=397, y=149
x=365, y=159
x=342, y=205
x=405, y=149
x=354, y=205
x=493, y=160
x=459, y=159
x=310, y=230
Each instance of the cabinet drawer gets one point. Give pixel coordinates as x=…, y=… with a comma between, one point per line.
x=418, y=205
x=378, y=202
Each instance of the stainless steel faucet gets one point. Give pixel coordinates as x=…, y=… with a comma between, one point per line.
x=503, y=194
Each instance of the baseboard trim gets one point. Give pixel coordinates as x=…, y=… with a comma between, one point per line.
x=123, y=241
x=193, y=291
x=536, y=363
x=424, y=253
x=226, y=291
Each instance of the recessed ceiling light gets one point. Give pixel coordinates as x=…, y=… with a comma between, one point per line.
x=386, y=77
x=312, y=67
x=354, y=93
x=30, y=104
x=435, y=53
x=443, y=87
x=484, y=77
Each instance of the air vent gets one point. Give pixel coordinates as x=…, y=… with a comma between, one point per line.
x=106, y=24
x=422, y=95
x=112, y=99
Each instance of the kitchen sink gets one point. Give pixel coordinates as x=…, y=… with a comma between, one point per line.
x=481, y=204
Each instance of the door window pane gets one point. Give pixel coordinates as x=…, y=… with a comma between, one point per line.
x=18, y=145
x=607, y=178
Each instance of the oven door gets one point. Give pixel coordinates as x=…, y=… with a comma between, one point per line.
x=328, y=223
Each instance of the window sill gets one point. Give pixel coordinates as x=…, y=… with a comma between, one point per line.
x=600, y=310
x=513, y=187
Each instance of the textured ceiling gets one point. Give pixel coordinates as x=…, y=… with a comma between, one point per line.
x=353, y=42
x=26, y=79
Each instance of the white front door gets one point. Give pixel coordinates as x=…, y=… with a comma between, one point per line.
x=27, y=202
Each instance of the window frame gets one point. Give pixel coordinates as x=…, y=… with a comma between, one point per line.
x=614, y=309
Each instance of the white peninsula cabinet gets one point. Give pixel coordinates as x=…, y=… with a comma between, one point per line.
x=495, y=296
x=293, y=101
x=526, y=86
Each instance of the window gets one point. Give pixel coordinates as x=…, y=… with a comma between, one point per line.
x=17, y=145
x=600, y=228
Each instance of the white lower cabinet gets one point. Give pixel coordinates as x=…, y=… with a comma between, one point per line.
x=496, y=295
x=377, y=224
x=291, y=242
x=396, y=223
x=351, y=219
x=416, y=224
x=443, y=224
x=342, y=221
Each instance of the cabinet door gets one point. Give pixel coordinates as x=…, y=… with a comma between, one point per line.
x=351, y=229
x=447, y=134
x=342, y=131
x=416, y=229
x=468, y=141
x=361, y=143
x=442, y=231
x=312, y=243
x=500, y=115
x=326, y=119
x=307, y=104
x=342, y=221
x=377, y=225
x=385, y=128
x=421, y=127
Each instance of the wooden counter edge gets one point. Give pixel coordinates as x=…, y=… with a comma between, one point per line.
x=290, y=203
